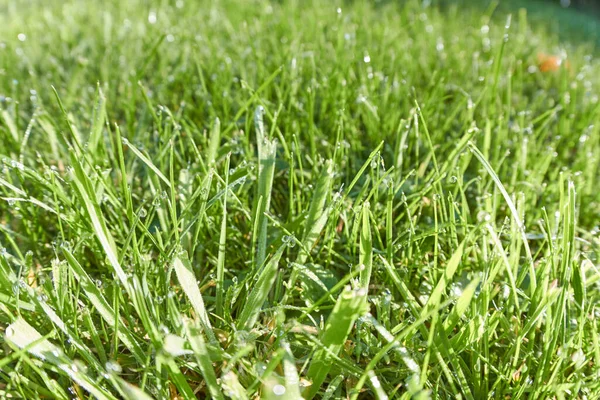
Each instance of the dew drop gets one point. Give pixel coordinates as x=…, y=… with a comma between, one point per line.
x=483, y=216
x=278, y=390
x=113, y=367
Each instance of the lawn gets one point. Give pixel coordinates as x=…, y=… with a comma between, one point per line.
x=296, y=199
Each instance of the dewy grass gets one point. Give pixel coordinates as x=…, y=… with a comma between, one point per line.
x=252, y=199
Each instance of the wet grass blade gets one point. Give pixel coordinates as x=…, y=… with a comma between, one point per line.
x=222, y=243
x=187, y=280
x=98, y=120
x=130, y=391
x=366, y=247
x=213, y=143
x=436, y=294
x=314, y=221
x=147, y=161
x=349, y=306
x=24, y=336
x=290, y=374
x=511, y=206
x=97, y=299
x=266, y=167
x=87, y=197
x=204, y=362
x=259, y=292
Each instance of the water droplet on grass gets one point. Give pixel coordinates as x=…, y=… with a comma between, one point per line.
x=278, y=390
x=113, y=367
x=164, y=329
x=483, y=216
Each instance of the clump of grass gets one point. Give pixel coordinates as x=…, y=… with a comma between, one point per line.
x=285, y=200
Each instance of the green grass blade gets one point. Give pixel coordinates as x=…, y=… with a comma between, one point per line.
x=131, y=392
x=259, y=292
x=511, y=206
x=204, y=362
x=147, y=161
x=349, y=306
x=436, y=295
x=222, y=243
x=214, y=141
x=187, y=280
x=24, y=336
x=266, y=167
x=366, y=247
x=87, y=198
x=99, y=302
x=98, y=120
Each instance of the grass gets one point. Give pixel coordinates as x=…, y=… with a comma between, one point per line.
x=251, y=199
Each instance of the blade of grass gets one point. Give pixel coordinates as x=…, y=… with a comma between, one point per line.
x=349, y=306
x=204, y=362
x=23, y=335
x=187, y=280
x=102, y=306
x=266, y=168
x=259, y=293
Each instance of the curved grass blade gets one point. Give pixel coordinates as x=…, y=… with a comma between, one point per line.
x=24, y=336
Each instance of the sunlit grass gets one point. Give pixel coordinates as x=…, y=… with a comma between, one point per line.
x=249, y=199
